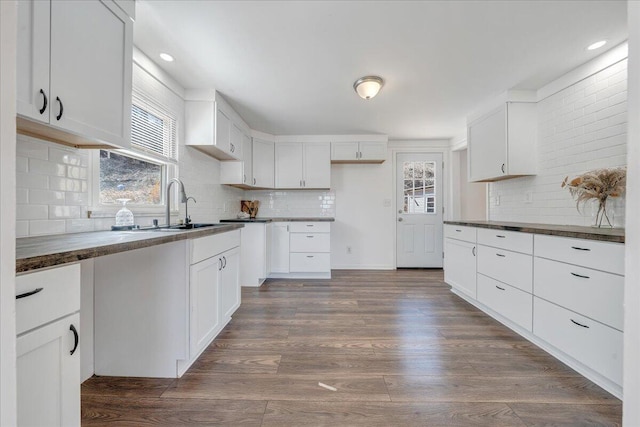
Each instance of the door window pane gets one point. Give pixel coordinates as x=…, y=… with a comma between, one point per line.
x=419, y=187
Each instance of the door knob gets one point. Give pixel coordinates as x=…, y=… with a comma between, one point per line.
x=399, y=219
x=400, y=211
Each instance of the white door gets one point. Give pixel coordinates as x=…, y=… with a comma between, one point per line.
x=289, y=165
x=204, y=295
x=230, y=283
x=317, y=165
x=263, y=163
x=419, y=210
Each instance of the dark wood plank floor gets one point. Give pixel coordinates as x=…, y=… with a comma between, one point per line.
x=399, y=348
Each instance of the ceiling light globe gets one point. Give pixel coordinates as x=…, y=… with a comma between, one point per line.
x=166, y=57
x=368, y=87
x=597, y=45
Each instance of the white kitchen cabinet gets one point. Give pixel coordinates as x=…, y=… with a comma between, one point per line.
x=303, y=165
x=74, y=72
x=263, y=163
x=507, y=301
x=280, y=248
x=205, y=316
x=460, y=265
x=48, y=353
x=502, y=143
x=255, y=253
x=229, y=283
x=214, y=128
x=512, y=268
x=358, y=152
x=239, y=173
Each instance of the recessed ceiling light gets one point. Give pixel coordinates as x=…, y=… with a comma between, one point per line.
x=597, y=45
x=166, y=57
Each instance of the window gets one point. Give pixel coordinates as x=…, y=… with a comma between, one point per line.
x=141, y=173
x=419, y=187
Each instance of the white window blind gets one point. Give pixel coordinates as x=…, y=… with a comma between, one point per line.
x=153, y=128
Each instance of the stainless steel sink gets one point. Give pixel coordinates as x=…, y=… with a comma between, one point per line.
x=182, y=227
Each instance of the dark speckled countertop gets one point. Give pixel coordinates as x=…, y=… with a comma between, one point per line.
x=615, y=235
x=46, y=251
x=281, y=219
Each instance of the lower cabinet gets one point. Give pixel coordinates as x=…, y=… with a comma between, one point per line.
x=47, y=345
x=510, y=302
x=460, y=265
x=280, y=248
x=204, y=288
x=229, y=278
x=301, y=249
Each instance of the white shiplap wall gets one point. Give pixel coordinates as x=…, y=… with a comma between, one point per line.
x=580, y=128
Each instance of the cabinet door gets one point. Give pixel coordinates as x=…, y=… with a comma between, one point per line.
x=487, y=141
x=263, y=163
x=230, y=283
x=223, y=131
x=373, y=151
x=32, y=90
x=344, y=151
x=91, y=67
x=235, y=145
x=288, y=165
x=460, y=266
x=48, y=375
x=280, y=248
x=204, y=296
x=247, y=158
x=317, y=165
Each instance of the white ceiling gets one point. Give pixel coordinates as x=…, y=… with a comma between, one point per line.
x=287, y=67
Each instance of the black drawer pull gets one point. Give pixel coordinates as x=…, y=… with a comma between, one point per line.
x=224, y=258
x=501, y=255
x=458, y=231
x=579, y=324
x=502, y=289
x=309, y=225
x=76, y=339
x=580, y=275
x=309, y=237
x=44, y=104
x=500, y=236
x=219, y=264
x=28, y=294
x=59, y=116
x=309, y=256
x=580, y=249
x=473, y=251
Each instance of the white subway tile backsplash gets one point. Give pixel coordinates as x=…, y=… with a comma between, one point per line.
x=68, y=156
x=58, y=212
x=46, y=197
x=31, y=148
x=79, y=199
x=32, y=212
x=22, y=228
x=22, y=196
x=79, y=225
x=22, y=164
x=277, y=203
x=26, y=180
x=66, y=184
x=46, y=227
x=580, y=128
x=44, y=167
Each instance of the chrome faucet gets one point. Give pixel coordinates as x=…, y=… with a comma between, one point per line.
x=183, y=198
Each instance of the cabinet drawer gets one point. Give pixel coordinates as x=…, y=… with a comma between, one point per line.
x=459, y=232
x=310, y=263
x=306, y=227
x=506, y=300
x=513, y=268
x=208, y=246
x=510, y=240
x=60, y=296
x=594, y=344
x=593, y=293
x=603, y=256
x=310, y=242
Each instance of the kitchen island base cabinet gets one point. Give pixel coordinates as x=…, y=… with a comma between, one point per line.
x=301, y=250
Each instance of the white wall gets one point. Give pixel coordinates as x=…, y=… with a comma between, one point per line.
x=469, y=198
x=581, y=127
x=8, y=21
x=631, y=409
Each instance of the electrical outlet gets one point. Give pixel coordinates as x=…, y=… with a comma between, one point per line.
x=528, y=197
x=349, y=249
x=497, y=200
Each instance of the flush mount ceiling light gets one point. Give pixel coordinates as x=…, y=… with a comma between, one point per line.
x=166, y=57
x=367, y=87
x=596, y=45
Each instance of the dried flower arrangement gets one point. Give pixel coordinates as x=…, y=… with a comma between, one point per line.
x=599, y=185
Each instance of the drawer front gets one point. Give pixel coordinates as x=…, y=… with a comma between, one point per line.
x=310, y=263
x=594, y=344
x=603, y=256
x=513, y=268
x=509, y=240
x=592, y=293
x=208, y=246
x=459, y=232
x=60, y=296
x=309, y=227
x=310, y=242
x=506, y=300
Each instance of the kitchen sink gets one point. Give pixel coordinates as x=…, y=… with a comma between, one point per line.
x=181, y=227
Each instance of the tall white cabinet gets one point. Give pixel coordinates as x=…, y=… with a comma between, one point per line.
x=303, y=165
x=74, y=71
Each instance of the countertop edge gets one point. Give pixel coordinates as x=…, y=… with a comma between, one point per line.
x=53, y=259
x=615, y=235
x=278, y=219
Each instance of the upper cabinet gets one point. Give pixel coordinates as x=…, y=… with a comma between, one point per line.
x=303, y=165
x=74, y=72
x=240, y=173
x=502, y=143
x=358, y=152
x=214, y=128
x=263, y=163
